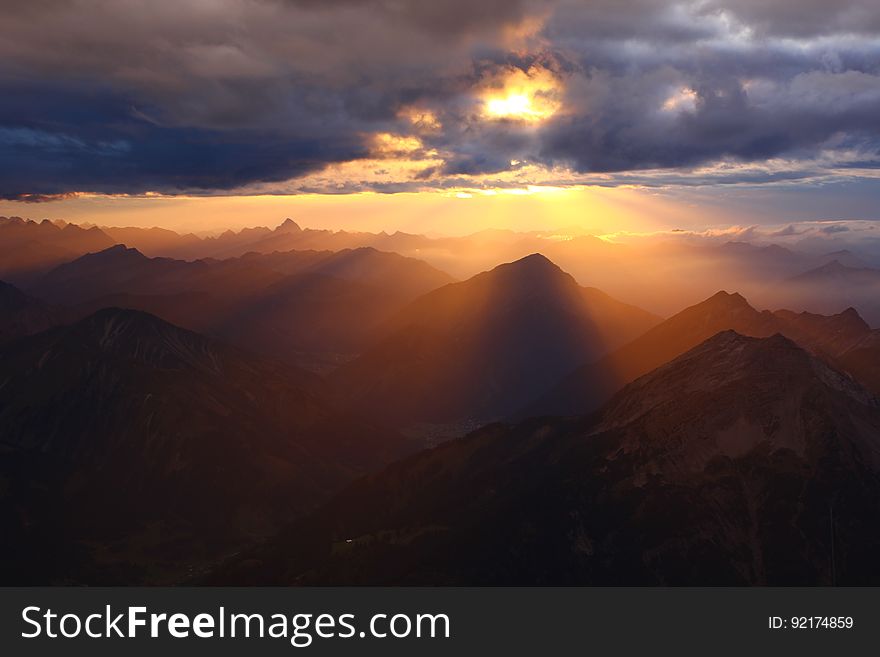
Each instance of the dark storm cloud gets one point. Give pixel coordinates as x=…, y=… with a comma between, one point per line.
x=194, y=96
x=432, y=16
x=90, y=139
x=698, y=87
x=718, y=119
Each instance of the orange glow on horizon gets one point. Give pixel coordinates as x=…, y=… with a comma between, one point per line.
x=593, y=210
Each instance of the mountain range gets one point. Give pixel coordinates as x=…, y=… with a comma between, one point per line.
x=300, y=306
x=588, y=386
x=163, y=418
x=29, y=248
x=744, y=461
x=661, y=274
x=133, y=450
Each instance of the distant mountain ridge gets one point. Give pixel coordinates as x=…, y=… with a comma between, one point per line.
x=288, y=304
x=661, y=275
x=835, y=285
x=29, y=248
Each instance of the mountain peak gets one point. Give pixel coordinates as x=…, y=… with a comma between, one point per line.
x=288, y=226
x=533, y=274
x=480, y=349
x=727, y=300
x=533, y=264
x=112, y=321
x=535, y=259
x=727, y=365
x=115, y=251
x=731, y=339
x=144, y=338
x=851, y=314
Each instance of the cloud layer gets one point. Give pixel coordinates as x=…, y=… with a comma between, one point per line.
x=345, y=95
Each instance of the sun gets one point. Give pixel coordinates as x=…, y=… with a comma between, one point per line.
x=518, y=106
x=524, y=96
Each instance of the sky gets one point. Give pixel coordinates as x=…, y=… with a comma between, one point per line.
x=447, y=117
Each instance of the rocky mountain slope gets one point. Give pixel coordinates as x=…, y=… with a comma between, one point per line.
x=744, y=461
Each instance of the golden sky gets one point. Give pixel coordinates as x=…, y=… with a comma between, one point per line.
x=440, y=116
x=594, y=210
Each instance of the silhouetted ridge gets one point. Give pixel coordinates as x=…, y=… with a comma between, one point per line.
x=848, y=322
x=532, y=262
x=133, y=336
x=310, y=308
x=530, y=268
x=118, y=255
x=726, y=301
x=289, y=226
x=114, y=252
x=534, y=276
x=851, y=314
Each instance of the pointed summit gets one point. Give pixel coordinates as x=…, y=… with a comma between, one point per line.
x=114, y=251
x=113, y=256
x=727, y=300
x=90, y=275
x=532, y=261
x=481, y=349
x=852, y=315
x=534, y=274
x=288, y=226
